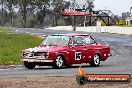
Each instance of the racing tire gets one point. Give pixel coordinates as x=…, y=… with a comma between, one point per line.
x=96, y=61
x=59, y=62
x=29, y=65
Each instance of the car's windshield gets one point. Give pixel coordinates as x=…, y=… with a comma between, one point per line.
x=56, y=40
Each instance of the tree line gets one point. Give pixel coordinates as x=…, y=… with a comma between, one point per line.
x=18, y=11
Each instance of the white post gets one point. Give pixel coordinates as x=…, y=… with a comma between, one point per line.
x=98, y=26
x=85, y=21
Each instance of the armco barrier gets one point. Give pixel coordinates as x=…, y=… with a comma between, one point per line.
x=106, y=29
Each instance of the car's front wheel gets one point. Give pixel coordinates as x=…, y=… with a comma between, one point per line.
x=59, y=62
x=96, y=61
x=29, y=65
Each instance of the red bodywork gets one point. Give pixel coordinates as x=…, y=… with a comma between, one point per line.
x=68, y=52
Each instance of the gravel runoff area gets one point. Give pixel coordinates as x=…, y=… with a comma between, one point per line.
x=53, y=82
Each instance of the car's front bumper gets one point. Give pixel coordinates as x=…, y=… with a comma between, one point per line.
x=38, y=60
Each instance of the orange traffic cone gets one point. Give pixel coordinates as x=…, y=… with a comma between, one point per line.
x=81, y=71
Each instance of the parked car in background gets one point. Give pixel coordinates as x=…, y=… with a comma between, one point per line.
x=63, y=50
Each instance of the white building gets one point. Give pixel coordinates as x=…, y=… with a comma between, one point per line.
x=129, y=20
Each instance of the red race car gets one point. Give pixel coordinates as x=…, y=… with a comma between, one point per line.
x=63, y=50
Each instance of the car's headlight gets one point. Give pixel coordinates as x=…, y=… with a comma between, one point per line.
x=26, y=54
x=40, y=55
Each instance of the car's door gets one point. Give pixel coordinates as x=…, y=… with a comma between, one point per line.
x=77, y=50
x=89, y=45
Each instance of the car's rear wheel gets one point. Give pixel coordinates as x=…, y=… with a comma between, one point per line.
x=29, y=65
x=96, y=61
x=59, y=62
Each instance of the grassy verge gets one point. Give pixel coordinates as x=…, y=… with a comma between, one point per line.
x=11, y=44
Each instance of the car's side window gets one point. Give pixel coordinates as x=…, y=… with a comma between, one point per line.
x=88, y=40
x=71, y=42
x=77, y=40
x=92, y=40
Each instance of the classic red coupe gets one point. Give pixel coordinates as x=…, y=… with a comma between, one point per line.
x=63, y=50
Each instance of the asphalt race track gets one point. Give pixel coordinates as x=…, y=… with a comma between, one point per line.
x=119, y=63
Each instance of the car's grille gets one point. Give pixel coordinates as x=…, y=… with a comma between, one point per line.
x=39, y=55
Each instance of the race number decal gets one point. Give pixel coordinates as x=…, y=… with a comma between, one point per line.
x=77, y=55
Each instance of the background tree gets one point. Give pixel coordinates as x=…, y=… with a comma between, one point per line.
x=10, y=5
x=57, y=5
x=24, y=5
x=90, y=6
x=2, y=3
x=125, y=15
x=38, y=11
x=40, y=8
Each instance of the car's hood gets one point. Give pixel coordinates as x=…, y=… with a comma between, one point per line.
x=45, y=49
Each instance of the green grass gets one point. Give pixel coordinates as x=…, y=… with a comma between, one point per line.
x=11, y=45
